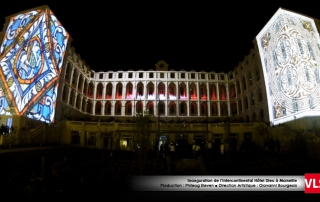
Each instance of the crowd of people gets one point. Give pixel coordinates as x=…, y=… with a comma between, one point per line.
x=6, y=130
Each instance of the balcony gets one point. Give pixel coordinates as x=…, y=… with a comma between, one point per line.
x=162, y=97
x=151, y=97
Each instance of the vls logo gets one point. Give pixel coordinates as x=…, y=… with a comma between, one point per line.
x=312, y=183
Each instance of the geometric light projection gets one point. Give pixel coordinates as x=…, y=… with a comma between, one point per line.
x=31, y=57
x=289, y=48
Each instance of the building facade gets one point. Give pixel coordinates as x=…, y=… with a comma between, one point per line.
x=117, y=109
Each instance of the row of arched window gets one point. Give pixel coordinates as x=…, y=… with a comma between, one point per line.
x=140, y=91
x=100, y=91
x=185, y=108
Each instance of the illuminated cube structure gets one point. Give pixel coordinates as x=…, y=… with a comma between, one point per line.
x=289, y=47
x=31, y=57
x=43, y=79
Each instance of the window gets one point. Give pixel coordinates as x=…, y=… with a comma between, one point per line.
x=202, y=92
x=130, y=75
x=244, y=84
x=150, y=90
x=212, y=76
x=161, y=75
x=140, y=90
x=171, y=90
x=140, y=75
x=129, y=109
x=120, y=76
x=222, y=77
x=260, y=95
x=171, y=109
x=231, y=76
x=120, y=90
x=252, y=100
x=250, y=80
x=183, y=75
x=258, y=74
x=130, y=90
x=108, y=108
x=172, y=75
x=92, y=75
x=109, y=91
x=181, y=91
x=110, y=75
x=161, y=91
x=151, y=75
x=161, y=108
x=100, y=76
x=182, y=109
x=203, y=76
x=192, y=75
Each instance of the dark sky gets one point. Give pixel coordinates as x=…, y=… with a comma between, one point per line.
x=190, y=36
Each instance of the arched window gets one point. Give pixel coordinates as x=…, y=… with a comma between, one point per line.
x=223, y=92
x=213, y=92
x=90, y=90
x=98, y=108
x=139, y=107
x=150, y=108
x=183, y=109
x=107, y=108
x=193, y=109
x=224, y=109
x=117, y=108
x=204, y=109
x=232, y=92
x=214, y=109
x=109, y=91
x=161, y=109
x=80, y=84
x=119, y=91
x=172, y=109
x=78, y=102
x=89, y=106
x=99, y=91
x=128, y=108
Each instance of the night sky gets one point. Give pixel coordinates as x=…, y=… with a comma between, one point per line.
x=190, y=36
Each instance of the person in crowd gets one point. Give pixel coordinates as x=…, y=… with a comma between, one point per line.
x=222, y=148
x=198, y=149
x=161, y=152
x=194, y=149
x=172, y=150
x=209, y=148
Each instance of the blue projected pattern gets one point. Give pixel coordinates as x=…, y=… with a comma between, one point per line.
x=31, y=58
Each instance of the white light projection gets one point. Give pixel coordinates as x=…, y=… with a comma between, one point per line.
x=289, y=49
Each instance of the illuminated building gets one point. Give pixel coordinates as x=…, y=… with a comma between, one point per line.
x=101, y=109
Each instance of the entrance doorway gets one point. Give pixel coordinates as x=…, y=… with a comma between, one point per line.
x=162, y=139
x=183, y=149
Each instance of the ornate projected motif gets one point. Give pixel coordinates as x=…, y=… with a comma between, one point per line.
x=290, y=48
x=31, y=58
x=4, y=107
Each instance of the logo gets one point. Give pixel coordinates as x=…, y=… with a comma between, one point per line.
x=312, y=183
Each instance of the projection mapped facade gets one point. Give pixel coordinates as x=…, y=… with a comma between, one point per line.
x=290, y=55
x=31, y=57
